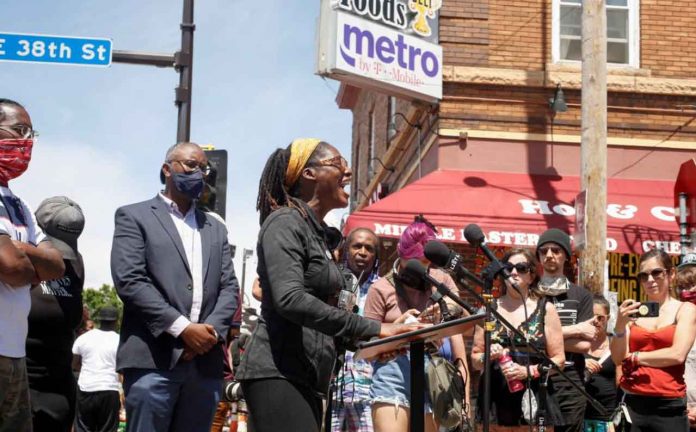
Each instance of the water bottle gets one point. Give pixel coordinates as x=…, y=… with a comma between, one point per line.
x=595, y=426
x=514, y=385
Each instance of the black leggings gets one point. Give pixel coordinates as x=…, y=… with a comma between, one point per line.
x=657, y=414
x=276, y=404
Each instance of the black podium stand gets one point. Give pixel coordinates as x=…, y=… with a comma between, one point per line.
x=416, y=341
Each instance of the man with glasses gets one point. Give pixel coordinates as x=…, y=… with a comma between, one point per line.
x=574, y=306
x=25, y=259
x=172, y=267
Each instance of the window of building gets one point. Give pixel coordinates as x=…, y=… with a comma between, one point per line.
x=623, y=31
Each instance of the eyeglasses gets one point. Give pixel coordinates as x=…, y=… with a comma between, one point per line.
x=191, y=166
x=338, y=162
x=603, y=317
x=522, y=268
x=554, y=250
x=656, y=274
x=24, y=131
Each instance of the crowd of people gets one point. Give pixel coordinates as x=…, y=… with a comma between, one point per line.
x=169, y=361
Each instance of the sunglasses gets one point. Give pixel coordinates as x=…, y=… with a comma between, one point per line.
x=338, y=162
x=554, y=250
x=656, y=274
x=522, y=268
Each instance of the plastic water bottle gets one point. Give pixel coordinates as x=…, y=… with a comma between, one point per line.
x=514, y=385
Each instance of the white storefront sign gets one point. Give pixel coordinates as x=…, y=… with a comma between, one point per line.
x=540, y=207
x=377, y=50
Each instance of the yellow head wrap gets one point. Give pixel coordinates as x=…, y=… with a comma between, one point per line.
x=300, y=151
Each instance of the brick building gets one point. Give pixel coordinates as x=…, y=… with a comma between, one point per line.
x=503, y=61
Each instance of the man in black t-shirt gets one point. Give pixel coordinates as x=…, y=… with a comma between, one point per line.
x=56, y=312
x=574, y=306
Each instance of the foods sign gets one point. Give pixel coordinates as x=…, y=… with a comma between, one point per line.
x=388, y=45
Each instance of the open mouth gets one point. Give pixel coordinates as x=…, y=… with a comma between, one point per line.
x=343, y=186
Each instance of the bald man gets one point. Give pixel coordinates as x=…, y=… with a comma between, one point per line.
x=172, y=267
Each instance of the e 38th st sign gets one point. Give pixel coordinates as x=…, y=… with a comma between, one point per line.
x=34, y=48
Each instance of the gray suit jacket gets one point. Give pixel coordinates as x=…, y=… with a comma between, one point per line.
x=153, y=279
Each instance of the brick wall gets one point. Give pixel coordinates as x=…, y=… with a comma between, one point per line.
x=378, y=105
x=516, y=34
x=668, y=29
x=640, y=116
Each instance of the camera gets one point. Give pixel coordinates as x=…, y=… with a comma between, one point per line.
x=348, y=296
x=232, y=391
x=648, y=309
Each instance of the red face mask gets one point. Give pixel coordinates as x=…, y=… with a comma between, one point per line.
x=15, y=155
x=688, y=296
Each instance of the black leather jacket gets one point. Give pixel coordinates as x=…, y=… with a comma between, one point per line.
x=294, y=335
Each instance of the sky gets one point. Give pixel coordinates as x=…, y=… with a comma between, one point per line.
x=104, y=131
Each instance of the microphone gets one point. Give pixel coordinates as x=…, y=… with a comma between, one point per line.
x=450, y=261
x=415, y=268
x=474, y=235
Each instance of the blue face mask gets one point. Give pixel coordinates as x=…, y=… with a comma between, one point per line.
x=189, y=184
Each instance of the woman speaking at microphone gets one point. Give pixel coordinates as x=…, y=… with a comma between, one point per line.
x=287, y=365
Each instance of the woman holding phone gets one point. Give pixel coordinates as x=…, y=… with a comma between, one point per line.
x=403, y=298
x=652, y=350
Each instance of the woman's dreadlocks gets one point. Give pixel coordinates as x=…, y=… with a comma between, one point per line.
x=272, y=191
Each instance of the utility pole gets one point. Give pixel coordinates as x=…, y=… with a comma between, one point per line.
x=594, y=140
x=185, y=68
x=181, y=61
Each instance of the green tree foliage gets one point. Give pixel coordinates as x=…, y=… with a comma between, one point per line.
x=95, y=299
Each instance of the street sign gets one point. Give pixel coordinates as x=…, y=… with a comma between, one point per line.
x=34, y=48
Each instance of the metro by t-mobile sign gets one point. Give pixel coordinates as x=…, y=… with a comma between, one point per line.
x=369, y=54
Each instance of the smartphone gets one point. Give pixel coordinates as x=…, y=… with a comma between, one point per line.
x=648, y=310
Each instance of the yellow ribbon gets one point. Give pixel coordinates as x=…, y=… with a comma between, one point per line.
x=300, y=151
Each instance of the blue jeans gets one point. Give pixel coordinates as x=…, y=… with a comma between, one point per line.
x=15, y=410
x=391, y=382
x=177, y=400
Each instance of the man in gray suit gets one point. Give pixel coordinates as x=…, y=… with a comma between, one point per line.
x=172, y=267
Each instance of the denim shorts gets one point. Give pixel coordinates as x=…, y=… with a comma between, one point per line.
x=391, y=382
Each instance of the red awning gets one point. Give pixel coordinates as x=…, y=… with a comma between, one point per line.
x=513, y=209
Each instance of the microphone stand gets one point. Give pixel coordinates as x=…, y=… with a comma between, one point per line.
x=488, y=326
x=541, y=403
x=486, y=298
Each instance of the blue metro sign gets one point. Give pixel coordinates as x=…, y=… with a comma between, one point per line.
x=17, y=47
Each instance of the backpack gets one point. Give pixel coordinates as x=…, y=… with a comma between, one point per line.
x=446, y=390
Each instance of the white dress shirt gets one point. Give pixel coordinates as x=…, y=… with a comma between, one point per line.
x=191, y=239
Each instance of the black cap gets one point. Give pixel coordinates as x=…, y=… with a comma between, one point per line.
x=107, y=313
x=554, y=235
